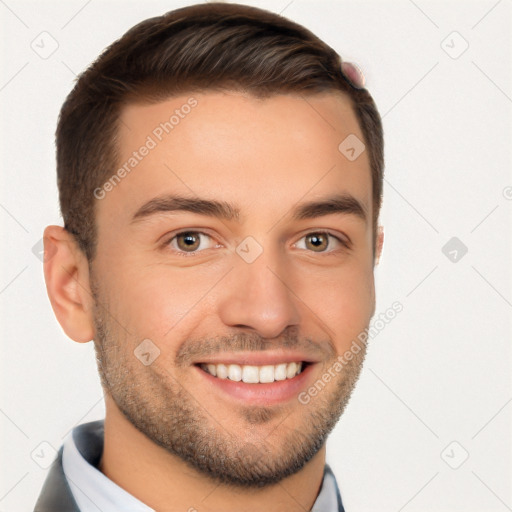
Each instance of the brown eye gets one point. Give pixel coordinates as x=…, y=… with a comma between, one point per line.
x=188, y=241
x=317, y=242
x=320, y=242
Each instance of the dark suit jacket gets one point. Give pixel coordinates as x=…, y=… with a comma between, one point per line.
x=56, y=495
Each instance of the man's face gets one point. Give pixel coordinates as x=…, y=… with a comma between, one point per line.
x=263, y=286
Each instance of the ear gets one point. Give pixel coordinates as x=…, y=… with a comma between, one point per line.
x=379, y=244
x=66, y=273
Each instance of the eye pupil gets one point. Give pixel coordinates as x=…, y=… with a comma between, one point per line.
x=187, y=241
x=318, y=241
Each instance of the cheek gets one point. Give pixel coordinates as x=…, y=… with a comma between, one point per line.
x=343, y=301
x=157, y=301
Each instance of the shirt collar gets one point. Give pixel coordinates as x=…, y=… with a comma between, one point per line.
x=94, y=492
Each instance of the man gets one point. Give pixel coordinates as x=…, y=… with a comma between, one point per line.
x=220, y=179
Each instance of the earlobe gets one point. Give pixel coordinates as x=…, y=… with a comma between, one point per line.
x=66, y=273
x=379, y=244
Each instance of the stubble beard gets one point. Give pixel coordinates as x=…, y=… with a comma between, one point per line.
x=157, y=405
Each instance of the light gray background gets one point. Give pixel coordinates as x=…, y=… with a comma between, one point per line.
x=436, y=383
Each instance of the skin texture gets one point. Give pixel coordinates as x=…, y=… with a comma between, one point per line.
x=172, y=439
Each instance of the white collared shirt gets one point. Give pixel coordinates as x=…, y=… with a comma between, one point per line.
x=94, y=492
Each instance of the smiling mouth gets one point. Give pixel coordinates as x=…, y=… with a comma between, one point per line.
x=251, y=374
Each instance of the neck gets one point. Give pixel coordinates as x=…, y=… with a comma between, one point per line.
x=165, y=483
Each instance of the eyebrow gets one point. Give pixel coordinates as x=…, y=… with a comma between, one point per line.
x=341, y=203
x=337, y=204
x=173, y=203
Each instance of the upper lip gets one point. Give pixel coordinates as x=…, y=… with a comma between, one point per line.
x=258, y=358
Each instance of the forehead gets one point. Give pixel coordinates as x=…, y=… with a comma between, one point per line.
x=265, y=154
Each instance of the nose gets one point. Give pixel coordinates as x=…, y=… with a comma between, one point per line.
x=258, y=296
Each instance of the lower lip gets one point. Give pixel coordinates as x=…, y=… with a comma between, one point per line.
x=261, y=394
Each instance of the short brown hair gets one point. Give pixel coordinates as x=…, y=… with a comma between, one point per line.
x=204, y=47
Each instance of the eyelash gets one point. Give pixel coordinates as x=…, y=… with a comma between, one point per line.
x=345, y=243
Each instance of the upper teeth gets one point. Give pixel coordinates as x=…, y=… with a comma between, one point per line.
x=253, y=374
